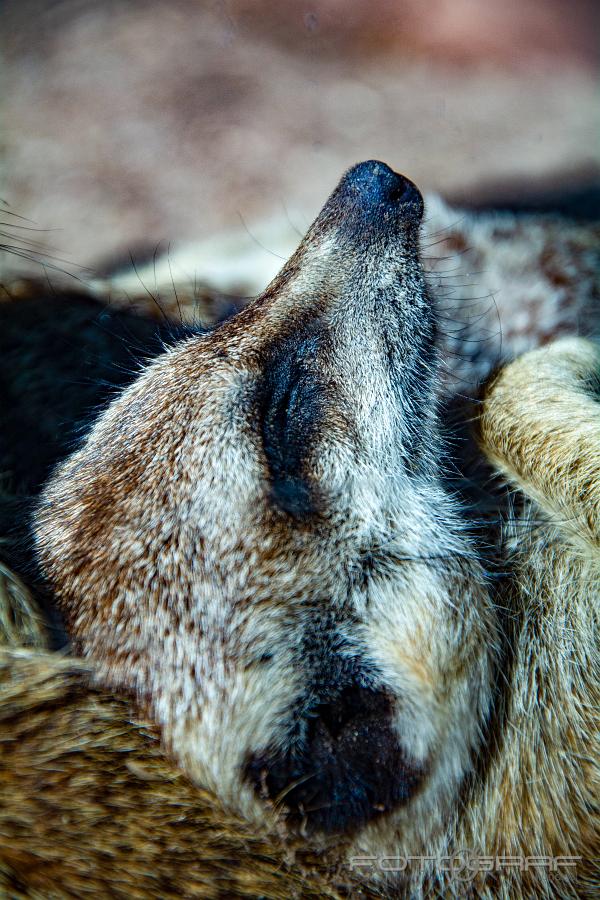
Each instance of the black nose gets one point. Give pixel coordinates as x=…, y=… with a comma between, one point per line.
x=372, y=185
x=346, y=768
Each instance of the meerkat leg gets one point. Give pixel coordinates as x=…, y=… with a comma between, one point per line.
x=540, y=426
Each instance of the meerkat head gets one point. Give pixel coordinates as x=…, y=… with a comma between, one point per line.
x=254, y=538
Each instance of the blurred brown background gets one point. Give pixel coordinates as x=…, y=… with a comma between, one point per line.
x=127, y=123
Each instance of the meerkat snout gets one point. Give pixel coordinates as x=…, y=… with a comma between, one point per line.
x=370, y=200
x=371, y=187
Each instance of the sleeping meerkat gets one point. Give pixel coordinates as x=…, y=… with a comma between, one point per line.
x=256, y=539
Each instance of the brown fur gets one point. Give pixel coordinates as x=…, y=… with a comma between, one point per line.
x=91, y=806
x=540, y=426
x=231, y=524
x=255, y=541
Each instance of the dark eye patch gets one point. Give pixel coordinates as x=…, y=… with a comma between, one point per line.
x=292, y=413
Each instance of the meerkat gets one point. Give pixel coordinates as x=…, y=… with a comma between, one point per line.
x=91, y=804
x=257, y=541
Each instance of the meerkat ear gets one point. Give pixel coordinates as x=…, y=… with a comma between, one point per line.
x=540, y=426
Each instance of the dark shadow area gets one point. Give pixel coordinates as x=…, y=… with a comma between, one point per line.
x=62, y=358
x=577, y=197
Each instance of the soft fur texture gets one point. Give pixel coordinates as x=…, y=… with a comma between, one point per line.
x=90, y=805
x=92, y=808
x=264, y=508
x=540, y=425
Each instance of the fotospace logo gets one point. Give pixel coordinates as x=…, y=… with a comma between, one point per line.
x=463, y=865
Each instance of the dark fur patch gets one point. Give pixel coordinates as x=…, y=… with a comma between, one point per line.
x=347, y=769
x=292, y=402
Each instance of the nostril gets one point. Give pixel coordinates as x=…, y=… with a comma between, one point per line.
x=403, y=191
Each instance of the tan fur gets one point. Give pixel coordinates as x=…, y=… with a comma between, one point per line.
x=560, y=466
x=536, y=795
x=91, y=807
x=540, y=426
x=234, y=609
x=21, y=624
x=189, y=583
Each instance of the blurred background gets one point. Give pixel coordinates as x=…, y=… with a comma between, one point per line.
x=208, y=134
x=127, y=123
